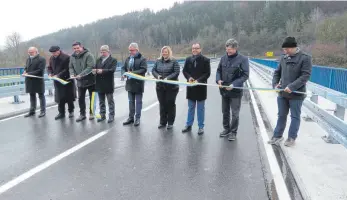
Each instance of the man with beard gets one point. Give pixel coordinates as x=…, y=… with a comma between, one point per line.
x=81, y=65
x=63, y=94
x=35, y=65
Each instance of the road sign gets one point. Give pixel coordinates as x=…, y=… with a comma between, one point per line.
x=269, y=54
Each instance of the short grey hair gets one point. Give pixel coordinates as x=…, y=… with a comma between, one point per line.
x=134, y=45
x=105, y=48
x=232, y=43
x=34, y=48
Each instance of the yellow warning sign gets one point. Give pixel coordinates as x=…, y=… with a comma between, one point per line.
x=269, y=54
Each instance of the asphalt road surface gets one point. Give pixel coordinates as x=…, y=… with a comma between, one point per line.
x=127, y=162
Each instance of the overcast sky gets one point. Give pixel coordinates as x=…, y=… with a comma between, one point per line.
x=32, y=18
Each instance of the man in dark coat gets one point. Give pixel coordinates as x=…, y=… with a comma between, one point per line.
x=35, y=65
x=232, y=71
x=136, y=64
x=196, y=69
x=81, y=66
x=292, y=74
x=104, y=70
x=59, y=67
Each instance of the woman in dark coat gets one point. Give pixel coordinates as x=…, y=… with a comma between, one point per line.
x=196, y=68
x=59, y=67
x=166, y=68
x=104, y=70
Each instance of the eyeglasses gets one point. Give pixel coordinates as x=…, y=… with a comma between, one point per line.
x=195, y=48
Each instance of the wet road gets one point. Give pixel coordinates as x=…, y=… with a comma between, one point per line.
x=133, y=162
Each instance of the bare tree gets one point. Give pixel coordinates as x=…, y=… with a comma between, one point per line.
x=13, y=46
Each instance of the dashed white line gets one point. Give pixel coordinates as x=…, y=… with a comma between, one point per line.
x=280, y=185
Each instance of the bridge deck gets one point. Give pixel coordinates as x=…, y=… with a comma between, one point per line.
x=133, y=162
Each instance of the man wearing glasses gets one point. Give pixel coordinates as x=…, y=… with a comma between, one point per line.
x=136, y=64
x=196, y=69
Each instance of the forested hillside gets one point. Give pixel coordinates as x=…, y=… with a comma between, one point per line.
x=320, y=28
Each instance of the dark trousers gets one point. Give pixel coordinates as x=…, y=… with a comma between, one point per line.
x=284, y=105
x=135, y=105
x=235, y=105
x=61, y=106
x=167, y=105
x=33, y=102
x=110, y=101
x=82, y=99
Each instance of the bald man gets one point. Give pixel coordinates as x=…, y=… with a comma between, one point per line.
x=35, y=65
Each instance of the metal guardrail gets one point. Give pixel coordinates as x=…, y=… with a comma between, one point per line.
x=334, y=125
x=330, y=77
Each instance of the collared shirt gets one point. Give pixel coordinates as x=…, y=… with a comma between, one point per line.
x=104, y=59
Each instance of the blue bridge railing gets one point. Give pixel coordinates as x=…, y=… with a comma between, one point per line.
x=330, y=77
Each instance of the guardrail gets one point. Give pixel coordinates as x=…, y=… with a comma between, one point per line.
x=19, y=70
x=334, y=125
x=330, y=77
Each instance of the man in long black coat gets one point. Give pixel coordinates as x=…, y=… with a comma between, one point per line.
x=35, y=65
x=104, y=70
x=59, y=67
x=196, y=68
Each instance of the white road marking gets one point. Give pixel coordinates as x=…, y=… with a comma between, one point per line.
x=9, y=118
x=49, y=107
x=5, y=187
x=150, y=106
x=280, y=185
x=48, y=163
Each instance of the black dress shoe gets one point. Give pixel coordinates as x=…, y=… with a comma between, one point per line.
x=81, y=118
x=161, y=126
x=128, y=121
x=200, y=131
x=71, y=115
x=101, y=119
x=225, y=133
x=59, y=116
x=42, y=114
x=170, y=126
x=29, y=115
x=137, y=122
x=186, y=129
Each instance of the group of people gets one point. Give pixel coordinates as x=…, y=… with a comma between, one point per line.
x=233, y=70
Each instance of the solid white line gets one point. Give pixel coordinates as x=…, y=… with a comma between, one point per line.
x=5, y=187
x=150, y=106
x=49, y=107
x=48, y=163
x=9, y=118
x=280, y=185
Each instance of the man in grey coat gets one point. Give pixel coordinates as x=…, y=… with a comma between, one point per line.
x=81, y=66
x=292, y=74
x=35, y=65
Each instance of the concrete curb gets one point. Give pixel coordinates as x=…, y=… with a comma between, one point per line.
x=304, y=192
x=48, y=105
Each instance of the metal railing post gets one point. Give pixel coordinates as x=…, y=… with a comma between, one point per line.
x=314, y=98
x=340, y=112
